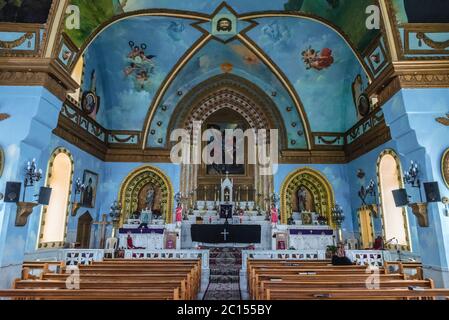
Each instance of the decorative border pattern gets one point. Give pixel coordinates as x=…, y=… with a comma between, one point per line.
x=323, y=192
x=60, y=244
x=139, y=178
x=445, y=167
x=392, y=153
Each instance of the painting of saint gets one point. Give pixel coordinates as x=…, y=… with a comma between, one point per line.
x=149, y=198
x=303, y=200
x=90, y=180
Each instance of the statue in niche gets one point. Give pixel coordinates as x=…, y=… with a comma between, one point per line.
x=149, y=198
x=305, y=200
x=302, y=200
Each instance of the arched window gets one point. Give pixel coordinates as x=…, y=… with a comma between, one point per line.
x=394, y=219
x=54, y=216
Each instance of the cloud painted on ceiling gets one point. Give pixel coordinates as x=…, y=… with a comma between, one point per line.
x=131, y=59
x=238, y=60
x=320, y=66
x=348, y=15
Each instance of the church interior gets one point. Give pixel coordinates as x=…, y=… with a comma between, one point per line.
x=237, y=150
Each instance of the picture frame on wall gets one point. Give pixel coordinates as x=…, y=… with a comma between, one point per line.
x=88, y=196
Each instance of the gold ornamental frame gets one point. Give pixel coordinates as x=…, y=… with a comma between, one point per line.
x=321, y=189
x=138, y=179
x=444, y=167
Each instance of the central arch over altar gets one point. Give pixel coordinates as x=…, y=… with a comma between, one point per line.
x=135, y=186
x=316, y=184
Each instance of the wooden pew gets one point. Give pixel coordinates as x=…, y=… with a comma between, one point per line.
x=355, y=294
x=42, y=266
x=413, y=270
x=342, y=284
x=97, y=294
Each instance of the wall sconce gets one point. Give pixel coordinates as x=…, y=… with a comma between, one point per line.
x=419, y=209
x=369, y=191
x=24, y=209
x=79, y=188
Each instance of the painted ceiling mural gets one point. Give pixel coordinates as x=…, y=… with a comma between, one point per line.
x=321, y=67
x=127, y=72
x=216, y=58
x=317, y=62
x=348, y=15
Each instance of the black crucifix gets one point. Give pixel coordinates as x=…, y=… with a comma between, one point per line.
x=225, y=234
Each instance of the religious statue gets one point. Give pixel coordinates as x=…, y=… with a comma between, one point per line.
x=302, y=200
x=179, y=214
x=150, y=198
x=274, y=215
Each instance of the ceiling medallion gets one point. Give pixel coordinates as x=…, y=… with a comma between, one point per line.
x=153, y=132
x=289, y=109
x=227, y=67
x=159, y=123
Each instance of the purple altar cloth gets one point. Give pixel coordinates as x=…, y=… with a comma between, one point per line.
x=143, y=231
x=311, y=232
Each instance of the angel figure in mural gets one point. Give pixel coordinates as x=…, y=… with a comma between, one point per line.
x=317, y=60
x=140, y=65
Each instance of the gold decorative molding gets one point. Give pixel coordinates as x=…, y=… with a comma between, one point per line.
x=317, y=183
x=36, y=72
x=443, y=120
x=445, y=167
x=138, y=179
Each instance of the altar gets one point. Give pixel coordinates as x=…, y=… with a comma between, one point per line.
x=154, y=237
x=302, y=237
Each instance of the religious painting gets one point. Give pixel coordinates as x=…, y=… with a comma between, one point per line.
x=223, y=168
x=445, y=167
x=170, y=240
x=361, y=99
x=316, y=59
x=150, y=197
x=307, y=218
x=88, y=196
x=282, y=241
x=90, y=101
x=224, y=23
x=140, y=65
x=25, y=11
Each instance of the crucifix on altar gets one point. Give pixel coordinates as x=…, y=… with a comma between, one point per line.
x=225, y=234
x=103, y=224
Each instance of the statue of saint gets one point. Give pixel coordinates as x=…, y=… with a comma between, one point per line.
x=150, y=198
x=302, y=200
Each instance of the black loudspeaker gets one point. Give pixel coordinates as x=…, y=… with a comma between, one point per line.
x=44, y=196
x=400, y=197
x=12, y=192
x=432, y=192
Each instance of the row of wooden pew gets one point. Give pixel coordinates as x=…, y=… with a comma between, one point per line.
x=319, y=280
x=110, y=280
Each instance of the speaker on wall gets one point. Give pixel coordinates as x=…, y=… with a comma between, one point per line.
x=400, y=197
x=44, y=196
x=432, y=192
x=12, y=192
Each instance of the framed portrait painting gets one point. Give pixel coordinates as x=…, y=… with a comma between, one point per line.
x=90, y=181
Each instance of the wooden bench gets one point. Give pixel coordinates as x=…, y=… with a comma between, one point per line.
x=355, y=294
